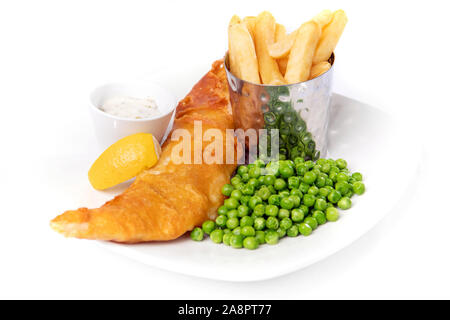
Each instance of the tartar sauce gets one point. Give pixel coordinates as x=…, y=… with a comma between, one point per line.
x=130, y=107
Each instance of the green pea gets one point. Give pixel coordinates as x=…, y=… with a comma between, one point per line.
x=272, y=189
x=320, y=217
x=253, y=183
x=232, y=214
x=334, y=169
x=345, y=203
x=260, y=163
x=197, y=234
x=292, y=231
x=293, y=182
x=298, y=160
x=261, y=180
x=251, y=243
x=259, y=223
x=273, y=168
x=216, y=236
x=341, y=163
x=246, y=221
x=226, y=238
x=283, y=213
x=274, y=199
x=248, y=190
x=271, y=237
x=286, y=172
x=329, y=182
x=283, y=194
x=232, y=223
x=309, y=200
x=342, y=186
x=222, y=210
x=225, y=231
x=311, y=222
x=287, y=203
x=281, y=233
x=296, y=192
x=301, y=169
x=269, y=180
x=272, y=223
x=304, y=229
x=227, y=189
x=247, y=231
x=260, y=236
x=236, y=241
x=208, y=226
x=342, y=177
x=235, y=181
x=285, y=223
x=326, y=168
x=236, y=194
x=254, y=201
x=313, y=190
x=357, y=176
x=264, y=193
x=297, y=215
x=279, y=184
x=236, y=231
x=303, y=187
x=320, y=181
x=242, y=169
x=254, y=172
x=309, y=177
x=349, y=194
x=243, y=211
x=245, y=177
x=309, y=164
x=221, y=221
x=359, y=188
x=296, y=200
x=231, y=203
x=320, y=204
x=332, y=214
x=271, y=210
x=333, y=176
x=259, y=210
x=324, y=192
x=240, y=186
x=334, y=196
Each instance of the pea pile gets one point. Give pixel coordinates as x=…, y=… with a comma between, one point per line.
x=283, y=198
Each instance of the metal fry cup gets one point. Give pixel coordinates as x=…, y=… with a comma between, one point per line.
x=299, y=111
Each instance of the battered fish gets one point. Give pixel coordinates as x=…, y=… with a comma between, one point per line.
x=169, y=199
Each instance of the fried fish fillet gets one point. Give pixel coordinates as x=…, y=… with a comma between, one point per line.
x=169, y=199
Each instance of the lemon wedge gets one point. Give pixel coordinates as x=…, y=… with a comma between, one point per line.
x=124, y=160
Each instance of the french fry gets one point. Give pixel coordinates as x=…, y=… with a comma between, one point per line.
x=244, y=54
x=231, y=54
x=264, y=37
x=323, y=18
x=302, y=53
x=319, y=69
x=330, y=37
x=280, y=32
x=250, y=23
x=282, y=64
x=281, y=48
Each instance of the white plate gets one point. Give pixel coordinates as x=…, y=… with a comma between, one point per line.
x=371, y=141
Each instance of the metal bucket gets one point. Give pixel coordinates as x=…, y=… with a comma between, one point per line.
x=299, y=111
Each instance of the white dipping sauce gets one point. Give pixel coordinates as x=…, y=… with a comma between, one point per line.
x=130, y=108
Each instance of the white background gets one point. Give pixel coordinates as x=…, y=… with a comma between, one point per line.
x=393, y=55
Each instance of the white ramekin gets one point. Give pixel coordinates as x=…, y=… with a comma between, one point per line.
x=110, y=128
